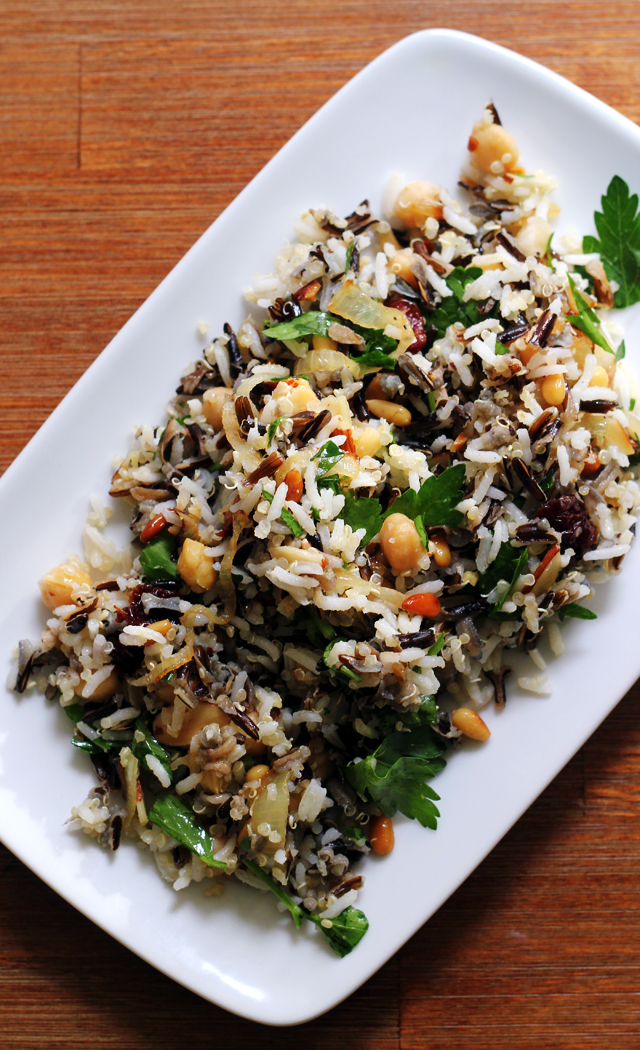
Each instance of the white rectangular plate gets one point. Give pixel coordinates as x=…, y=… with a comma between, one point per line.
x=411, y=111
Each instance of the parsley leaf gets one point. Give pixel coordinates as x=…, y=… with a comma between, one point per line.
x=156, y=561
x=588, y=320
x=507, y=566
x=271, y=429
x=176, y=818
x=315, y=322
x=347, y=262
x=395, y=775
x=453, y=308
x=343, y=933
x=378, y=348
x=578, y=612
x=618, y=225
x=620, y=353
x=291, y=522
x=433, y=504
x=150, y=747
x=363, y=513
x=327, y=457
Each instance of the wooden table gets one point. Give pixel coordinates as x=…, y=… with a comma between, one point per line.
x=125, y=128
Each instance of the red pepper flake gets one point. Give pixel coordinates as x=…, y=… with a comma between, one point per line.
x=348, y=445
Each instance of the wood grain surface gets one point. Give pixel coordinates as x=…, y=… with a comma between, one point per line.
x=126, y=126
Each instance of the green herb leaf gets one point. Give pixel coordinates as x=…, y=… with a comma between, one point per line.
x=176, y=818
x=291, y=522
x=267, y=495
x=150, y=747
x=588, y=321
x=507, y=566
x=378, y=349
x=346, y=930
x=548, y=254
x=334, y=482
x=453, y=308
x=620, y=353
x=363, y=513
x=437, y=645
x=355, y=834
x=156, y=561
x=433, y=504
x=395, y=775
x=317, y=630
x=501, y=349
x=578, y=612
x=347, y=263
x=327, y=457
x=271, y=429
x=618, y=225
x=315, y=322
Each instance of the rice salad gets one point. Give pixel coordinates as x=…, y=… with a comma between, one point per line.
x=414, y=456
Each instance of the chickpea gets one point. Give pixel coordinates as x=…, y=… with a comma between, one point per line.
x=397, y=415
x=196, y=567
x=194, y=720
x=418, y=202
x=57, y=586
x=213, y=401
x=366, y=439
x=323, y=342
x=491, y=144
x=441, y=551
x=103, y=691
x=470, y=724
x=552, y=389
x=599, y=377
x=381, y=835
x=400, y=543
x=298, y=394
x=401, y=265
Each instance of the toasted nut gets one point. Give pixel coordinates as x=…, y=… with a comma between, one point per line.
x=547, y=572
x=213, y=401
x=153, y=527
x=381, y=835
x=194, y=720
x=552, y=389
x=599, y=377
x=470, y=724
x=401, y=543
x=293, y=481
x=256, y=774
x=425, y=604
x=440, y=549
x=196, y=567
x=397, y=415
x=57, y=586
